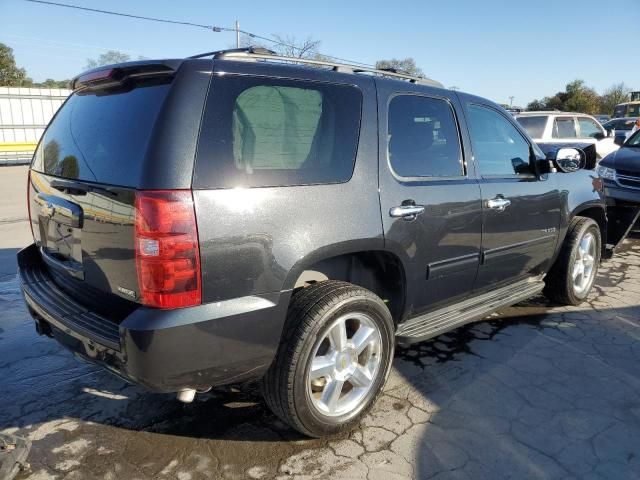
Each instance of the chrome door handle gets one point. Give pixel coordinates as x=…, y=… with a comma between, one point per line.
x=406, y=212
x=499, y=204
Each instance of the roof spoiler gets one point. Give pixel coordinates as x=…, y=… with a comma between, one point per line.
x=113, y=75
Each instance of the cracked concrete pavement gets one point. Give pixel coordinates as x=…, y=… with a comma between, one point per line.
x=535, y=391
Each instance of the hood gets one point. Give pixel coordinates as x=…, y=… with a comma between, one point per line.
x=625, y=158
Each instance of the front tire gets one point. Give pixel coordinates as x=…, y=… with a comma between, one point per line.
x=333, y=360
x=571, y=278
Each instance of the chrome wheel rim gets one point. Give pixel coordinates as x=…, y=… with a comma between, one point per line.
x=584, y=264
x=344, y=365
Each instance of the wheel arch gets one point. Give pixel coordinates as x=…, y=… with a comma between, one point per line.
x=375, y=269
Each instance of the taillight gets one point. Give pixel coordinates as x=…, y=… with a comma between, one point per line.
x=29, y=202
x=167, y=253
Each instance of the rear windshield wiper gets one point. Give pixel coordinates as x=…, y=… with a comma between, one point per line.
x=75, y=188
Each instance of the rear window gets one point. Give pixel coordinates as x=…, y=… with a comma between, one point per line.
x=533, y=125
x=273, y=132
x=101, y=136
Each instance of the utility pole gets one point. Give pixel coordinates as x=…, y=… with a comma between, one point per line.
x=511, y=101
x=237, y=34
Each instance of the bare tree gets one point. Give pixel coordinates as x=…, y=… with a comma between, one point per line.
x=286, y=46
x=408, y=65
x=612, y=96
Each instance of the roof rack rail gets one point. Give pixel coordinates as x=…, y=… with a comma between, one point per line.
x=257, y=50
x=259, y=53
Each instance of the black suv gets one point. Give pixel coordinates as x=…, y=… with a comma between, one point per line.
x=620, y=172
x=207, y=221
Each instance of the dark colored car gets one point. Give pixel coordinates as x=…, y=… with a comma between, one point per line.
x=621, y=126
x=620, y=173
x=207, y=221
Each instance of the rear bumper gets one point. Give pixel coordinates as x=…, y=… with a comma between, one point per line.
x=162, y=350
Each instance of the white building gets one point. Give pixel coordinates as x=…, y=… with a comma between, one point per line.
x=24, y=114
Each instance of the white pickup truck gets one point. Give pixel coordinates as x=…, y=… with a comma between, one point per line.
x=563, y=127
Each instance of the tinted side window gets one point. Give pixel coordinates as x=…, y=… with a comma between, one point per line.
x=588, y=128
x=270, y=132
x=498, y=146
x=533, y=125
x=423, y=138
x=564, y=127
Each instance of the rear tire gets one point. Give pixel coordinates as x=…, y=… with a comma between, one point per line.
x=571, y=278
x=333, y=360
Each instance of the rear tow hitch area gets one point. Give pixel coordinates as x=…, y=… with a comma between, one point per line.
x=13, y=455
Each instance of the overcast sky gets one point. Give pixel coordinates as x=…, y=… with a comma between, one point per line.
x=493, y=48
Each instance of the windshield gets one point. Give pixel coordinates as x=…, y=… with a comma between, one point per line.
x=533, y=125
x=101, y=136
x=634, y=140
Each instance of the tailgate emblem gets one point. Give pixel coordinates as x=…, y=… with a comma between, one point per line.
x=127, y=292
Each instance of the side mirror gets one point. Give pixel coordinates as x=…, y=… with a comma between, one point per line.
x=599, y=136
x=569, y=160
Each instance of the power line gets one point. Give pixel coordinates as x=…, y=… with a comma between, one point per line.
x=139, y=17
x=213, y=28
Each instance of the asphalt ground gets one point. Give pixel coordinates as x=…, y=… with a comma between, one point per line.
x=535, y=391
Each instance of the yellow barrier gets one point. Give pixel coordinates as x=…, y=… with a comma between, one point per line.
x=18, y=147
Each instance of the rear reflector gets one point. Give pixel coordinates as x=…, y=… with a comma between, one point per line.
x=29, y=202
x=167, y=252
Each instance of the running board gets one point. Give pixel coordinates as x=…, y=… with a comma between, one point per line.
x=436, y=323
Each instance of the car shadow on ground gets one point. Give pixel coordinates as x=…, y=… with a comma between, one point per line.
x=535, y=391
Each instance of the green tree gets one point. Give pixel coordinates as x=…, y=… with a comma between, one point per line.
x=536, y=105
x=108, y=58
x=10, y=74
x=581, y=98
x=407, y=65
x=51, y=83
x=612, y=96
x=576, y=97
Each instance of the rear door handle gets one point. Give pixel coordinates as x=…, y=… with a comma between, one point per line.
x=406, y=212
x=499, y=203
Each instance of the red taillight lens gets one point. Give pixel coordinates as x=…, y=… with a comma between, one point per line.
x=167, y=253
x=29, y=202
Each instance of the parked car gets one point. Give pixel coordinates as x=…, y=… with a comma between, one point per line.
x=567, y=128
x=619, y=128
x=628, y=109
x=602, y=119
x=620, y=173
x=207, y=221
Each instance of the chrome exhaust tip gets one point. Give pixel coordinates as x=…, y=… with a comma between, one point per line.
x=186, y=396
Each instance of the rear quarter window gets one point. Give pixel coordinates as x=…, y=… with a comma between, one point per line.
x=275, y=132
